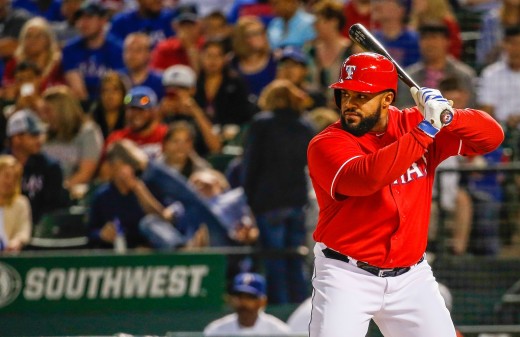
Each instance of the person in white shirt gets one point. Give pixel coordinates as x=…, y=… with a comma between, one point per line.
x=500, y=82
x=248, y=299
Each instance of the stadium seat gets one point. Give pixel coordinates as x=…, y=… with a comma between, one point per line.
x=62, y=229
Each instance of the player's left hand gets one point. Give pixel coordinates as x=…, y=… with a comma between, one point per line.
x=436, y=109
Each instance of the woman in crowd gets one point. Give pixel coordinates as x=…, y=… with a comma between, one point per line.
x=330, y=47
x=426, y=11
x=109, y=110
x=221, y=92
x=253, y=58
x=15, y=210
x=72, y=138
x=179, y=151
x=37, y=44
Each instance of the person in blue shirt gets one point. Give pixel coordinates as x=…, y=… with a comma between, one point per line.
x=291, y=26
x=50, y=10
x=169, y=200
x=402, y=43
x=149, y=17
x=136, y=57
x=88, y=57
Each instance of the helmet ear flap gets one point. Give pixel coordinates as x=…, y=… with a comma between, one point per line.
x=337, y=97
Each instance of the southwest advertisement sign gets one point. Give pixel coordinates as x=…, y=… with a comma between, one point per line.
x=82, y=283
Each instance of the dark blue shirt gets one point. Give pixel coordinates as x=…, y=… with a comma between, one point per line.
x=274, y=160
x=42, y=184
x=92, y=63
x=158, y=27
x=154, y=81
x=51, y=13
x=404, y=49
x=109, y=204
x=256, y=82
x=169, y=186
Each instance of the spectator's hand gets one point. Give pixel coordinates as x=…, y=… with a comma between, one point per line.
x=108, y=232
x=126, y=176
x=167, y=106
x=14, y=246
x=187, y=104
x=29, y=101
x=246, y=235
x=173, y=212
x=246, y=232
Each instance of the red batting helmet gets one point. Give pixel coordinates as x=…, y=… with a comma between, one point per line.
x=366, y=72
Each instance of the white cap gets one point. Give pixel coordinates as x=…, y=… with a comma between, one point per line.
x=179, y=75
x=24, y=121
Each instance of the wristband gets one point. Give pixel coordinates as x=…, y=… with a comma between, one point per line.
x=428, y=128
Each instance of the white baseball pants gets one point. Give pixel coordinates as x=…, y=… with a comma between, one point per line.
x=345, y=298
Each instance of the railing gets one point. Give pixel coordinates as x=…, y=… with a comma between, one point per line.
x=507, y=169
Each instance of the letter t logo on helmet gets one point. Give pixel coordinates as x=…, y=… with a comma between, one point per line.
x=349, y=70
x=366, y=72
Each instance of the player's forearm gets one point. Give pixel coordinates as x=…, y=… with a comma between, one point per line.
x=367, y=174
x=479, y=132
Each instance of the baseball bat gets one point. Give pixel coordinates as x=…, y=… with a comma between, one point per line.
x=359, y=34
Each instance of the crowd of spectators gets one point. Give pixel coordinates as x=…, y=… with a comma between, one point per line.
x=127, y=107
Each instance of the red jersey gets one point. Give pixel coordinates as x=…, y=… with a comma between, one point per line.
x=151, y=143
x=374, y=191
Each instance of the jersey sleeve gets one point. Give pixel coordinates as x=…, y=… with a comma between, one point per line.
x=479, y=133
x=339, y=165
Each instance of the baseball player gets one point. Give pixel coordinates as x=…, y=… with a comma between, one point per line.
x=373, y=172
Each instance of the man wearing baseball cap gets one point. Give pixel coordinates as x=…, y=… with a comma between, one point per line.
x=42, y=180
x=142, y=123
x=184, y=47
x=89, y=56
x=150, y=17
x=248, y=299
x=293, y=66
x=373, y=173
x=178, y=103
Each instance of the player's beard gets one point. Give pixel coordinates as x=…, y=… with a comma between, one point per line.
x=366, y=123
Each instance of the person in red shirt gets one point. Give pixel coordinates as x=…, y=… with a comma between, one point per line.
x=372, y=172
x=143, y=126
x=357, y=11
x=183, y=48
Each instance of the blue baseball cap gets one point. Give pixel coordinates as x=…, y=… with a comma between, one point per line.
x=249, y=283
x=141, y=97
x=91, y=8
x=293, y=53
